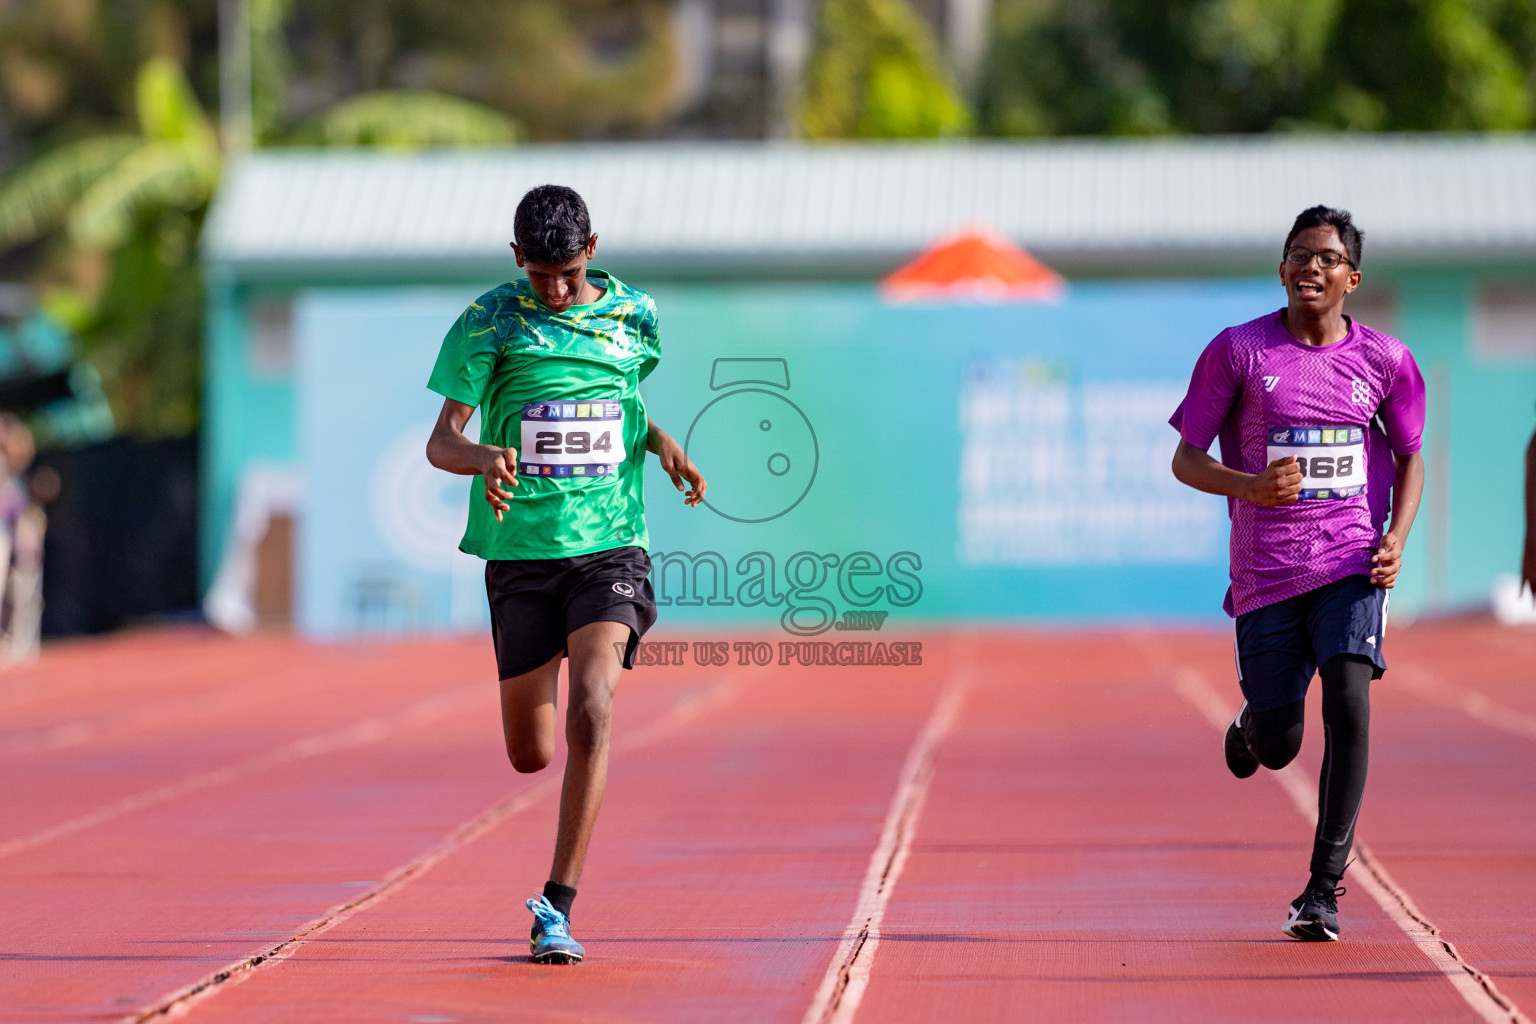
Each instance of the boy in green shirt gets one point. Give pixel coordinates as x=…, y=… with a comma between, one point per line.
x=554, y=364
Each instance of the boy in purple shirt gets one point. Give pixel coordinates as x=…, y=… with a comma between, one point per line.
x=1320, y=420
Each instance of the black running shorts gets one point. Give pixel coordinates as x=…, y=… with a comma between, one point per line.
x=1280, y=646
x=537, y=602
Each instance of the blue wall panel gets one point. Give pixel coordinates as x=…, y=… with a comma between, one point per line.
x=934, y=462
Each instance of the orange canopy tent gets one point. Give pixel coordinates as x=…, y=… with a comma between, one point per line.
x=974, y=265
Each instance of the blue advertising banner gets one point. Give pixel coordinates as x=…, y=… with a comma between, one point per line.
x=865, y=461
x=378, y=528
x=972, y=462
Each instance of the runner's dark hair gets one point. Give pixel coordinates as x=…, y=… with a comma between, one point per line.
x=551, y=225
x=1327, y=216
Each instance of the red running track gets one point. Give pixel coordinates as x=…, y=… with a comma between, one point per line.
x=1027, y=826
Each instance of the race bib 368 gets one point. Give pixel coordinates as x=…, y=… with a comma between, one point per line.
x=1331, y=459
x=571, y=439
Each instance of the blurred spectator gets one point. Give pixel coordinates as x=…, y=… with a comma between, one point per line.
x=22, y=525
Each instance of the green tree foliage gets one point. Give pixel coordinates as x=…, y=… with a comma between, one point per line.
x=270, y=67
x=400, y=120
x=104, y=222
x=106, y=165
x=1148, y=66
x=563, y=69
x=876, y=73
x=130, y=207
x=67, y=67
x=40, y=194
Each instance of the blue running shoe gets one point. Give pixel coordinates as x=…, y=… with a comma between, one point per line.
x=551, y=941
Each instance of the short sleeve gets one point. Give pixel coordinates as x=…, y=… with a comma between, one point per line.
x=1212, y=389
x=467, y=358
x=1402, y=410
x=650, y=338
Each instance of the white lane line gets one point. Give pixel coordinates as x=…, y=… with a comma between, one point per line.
x=842, y=987
x=125, y=722
x=1475, y=987
x=1476, y=705
x=355, y=735
x=183, y=999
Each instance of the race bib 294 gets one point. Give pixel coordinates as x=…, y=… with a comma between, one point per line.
x=571, y=439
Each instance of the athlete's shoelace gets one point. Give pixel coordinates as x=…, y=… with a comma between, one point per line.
x=554, y=922
x=1329, y=899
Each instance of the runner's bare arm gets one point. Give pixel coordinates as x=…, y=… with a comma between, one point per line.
x=675, y=462
x=449, y=450
x=1406, y=490
x=1279, y=484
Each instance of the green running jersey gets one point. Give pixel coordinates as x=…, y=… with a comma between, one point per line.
x=564, y=390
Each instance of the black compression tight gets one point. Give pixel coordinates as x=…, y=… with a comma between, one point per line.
x=1275, y=738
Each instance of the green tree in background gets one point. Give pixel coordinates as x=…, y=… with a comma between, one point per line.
x=876, y=73
x=403, y=119
x=270, y=67
x=67, y=67
x=111, y=219
x=127, y=211
x=569, y=69
x=125, y=277
x=107, y=159
x=104, y=222
x=564, y=69
x=1458, y=65
x=1085, y=67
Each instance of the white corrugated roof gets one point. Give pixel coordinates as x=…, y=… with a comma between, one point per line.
x=745, y=207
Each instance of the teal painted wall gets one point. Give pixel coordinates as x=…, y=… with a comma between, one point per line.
x=1481, y=412
x=248, y=415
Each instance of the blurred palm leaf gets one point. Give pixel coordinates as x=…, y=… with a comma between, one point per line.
x=413, y=120
x=101, y=184
x=178, y=174
x=40, y=194
x=877, y=73
x=166, y=107
x=175, y=165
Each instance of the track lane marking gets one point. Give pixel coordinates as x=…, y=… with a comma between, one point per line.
x=125, y=722
x=183, y=999
x=1434, y=688
x=847, y=976
x=173, y=705
x=1475, y=987
x=356, y=735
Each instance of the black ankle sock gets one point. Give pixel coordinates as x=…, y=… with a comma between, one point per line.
x=1322, y=883
x=560, y=896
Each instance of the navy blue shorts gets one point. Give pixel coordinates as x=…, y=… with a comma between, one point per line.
x=1280, y=646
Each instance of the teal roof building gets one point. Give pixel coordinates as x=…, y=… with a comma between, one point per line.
x=1450, y=267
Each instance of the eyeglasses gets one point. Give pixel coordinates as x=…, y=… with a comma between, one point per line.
x=1327, y=259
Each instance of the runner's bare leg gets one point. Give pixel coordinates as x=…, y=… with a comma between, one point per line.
x=594, y=675
x=528, y=716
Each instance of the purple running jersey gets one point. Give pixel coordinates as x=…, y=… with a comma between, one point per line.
x=1344, y=410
